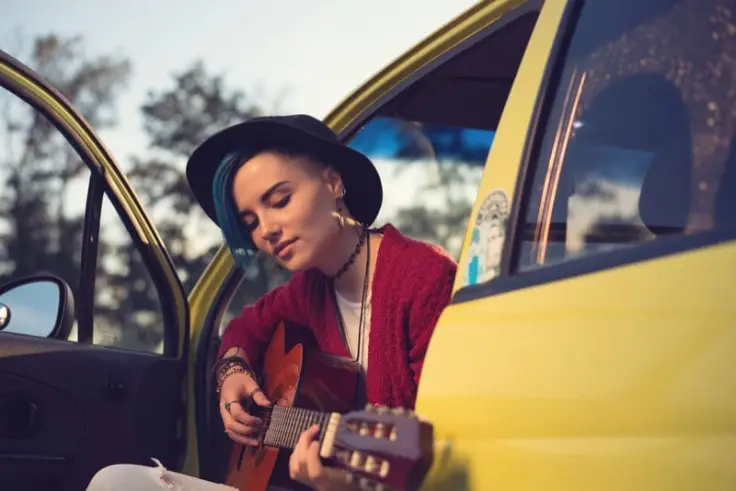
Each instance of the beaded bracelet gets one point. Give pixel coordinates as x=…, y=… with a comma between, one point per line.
x=229, y=366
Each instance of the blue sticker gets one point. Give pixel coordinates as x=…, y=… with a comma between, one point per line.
x=487, y=238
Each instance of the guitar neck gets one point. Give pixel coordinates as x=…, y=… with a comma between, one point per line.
x=286, y=424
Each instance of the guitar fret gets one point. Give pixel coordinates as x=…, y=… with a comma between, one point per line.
x=287, y=424
x=291, y=424
x=295, y=425
x=277, y=426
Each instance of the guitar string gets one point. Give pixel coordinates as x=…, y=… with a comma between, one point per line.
x=287, y=423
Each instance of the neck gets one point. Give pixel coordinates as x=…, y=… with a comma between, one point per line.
x=350, y=283
x=285, y=425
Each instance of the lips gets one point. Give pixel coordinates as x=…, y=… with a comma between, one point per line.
x=283, y=249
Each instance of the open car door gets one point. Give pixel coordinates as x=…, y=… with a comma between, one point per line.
x=93, y=333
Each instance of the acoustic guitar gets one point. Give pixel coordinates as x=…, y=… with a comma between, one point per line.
x=381, y=448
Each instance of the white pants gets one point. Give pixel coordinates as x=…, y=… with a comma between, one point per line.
x=130, y=477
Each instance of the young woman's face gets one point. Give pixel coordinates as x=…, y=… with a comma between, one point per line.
x=288, y=204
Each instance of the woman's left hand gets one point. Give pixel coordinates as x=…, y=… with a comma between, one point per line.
x=305, y=465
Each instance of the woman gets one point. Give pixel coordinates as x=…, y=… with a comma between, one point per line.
x=287, y=187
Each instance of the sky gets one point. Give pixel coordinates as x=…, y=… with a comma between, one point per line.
x=315, y=52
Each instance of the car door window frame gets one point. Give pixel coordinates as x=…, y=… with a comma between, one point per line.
x=505, y=280
x=88, y=268
x=12, y=73
x=365, y=116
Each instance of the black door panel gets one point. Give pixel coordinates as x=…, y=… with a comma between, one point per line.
x=94, y=406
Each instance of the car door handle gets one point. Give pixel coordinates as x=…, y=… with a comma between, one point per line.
x=18, y=416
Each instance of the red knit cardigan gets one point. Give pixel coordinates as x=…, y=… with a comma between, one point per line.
x=412, y=284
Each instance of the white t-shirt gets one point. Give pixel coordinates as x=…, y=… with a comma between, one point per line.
x=350, y=312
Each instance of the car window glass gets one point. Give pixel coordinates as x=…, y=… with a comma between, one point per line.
x=430, y=174
x=43, y=188
x=128, y=311
x=43, y=197
x=640, y=145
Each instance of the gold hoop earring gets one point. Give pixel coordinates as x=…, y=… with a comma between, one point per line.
x=338, y=214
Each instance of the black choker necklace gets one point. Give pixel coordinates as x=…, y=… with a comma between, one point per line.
x=361, y=240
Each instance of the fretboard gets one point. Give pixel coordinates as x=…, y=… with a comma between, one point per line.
x=286, y=424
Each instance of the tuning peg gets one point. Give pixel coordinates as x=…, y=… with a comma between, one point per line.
x=380, y=430
x=393, y=436
x=400, y=411
x=385, y=467
x=364, y=429
x=367, y=484
x=370, y=407
x=356, y=460
x=343, y=456
x=371, y=465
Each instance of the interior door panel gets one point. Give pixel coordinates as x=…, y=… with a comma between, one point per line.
x=68, y=410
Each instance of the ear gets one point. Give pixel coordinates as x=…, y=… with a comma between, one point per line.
x=333, y=179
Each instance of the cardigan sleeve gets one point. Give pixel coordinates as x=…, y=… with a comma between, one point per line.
x=251, y=330
x=432, y=296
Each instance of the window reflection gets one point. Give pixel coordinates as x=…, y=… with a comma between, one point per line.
x=430, y=174
x=640, y=145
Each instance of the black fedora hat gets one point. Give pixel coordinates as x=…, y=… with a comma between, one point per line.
x=364, y=192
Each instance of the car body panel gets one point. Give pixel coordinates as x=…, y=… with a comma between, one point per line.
x=608, y=372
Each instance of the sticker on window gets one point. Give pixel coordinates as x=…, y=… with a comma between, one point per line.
x=487, y=237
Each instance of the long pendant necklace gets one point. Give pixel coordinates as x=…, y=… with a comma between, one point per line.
x=363, y=301
x=364, y=238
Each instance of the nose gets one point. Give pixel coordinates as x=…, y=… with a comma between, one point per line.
x=270, y=231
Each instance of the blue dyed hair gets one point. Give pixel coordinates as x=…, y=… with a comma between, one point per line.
x=235, y=232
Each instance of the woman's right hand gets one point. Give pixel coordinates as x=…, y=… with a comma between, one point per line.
x=240, y=425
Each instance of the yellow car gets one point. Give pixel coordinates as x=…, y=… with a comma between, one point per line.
x=592, y=333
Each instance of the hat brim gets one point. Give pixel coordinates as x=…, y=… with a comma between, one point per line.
x=364, y=192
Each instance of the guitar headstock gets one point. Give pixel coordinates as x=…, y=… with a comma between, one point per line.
x=383, y=448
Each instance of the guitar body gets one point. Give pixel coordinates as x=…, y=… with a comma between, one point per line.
x=294, y=373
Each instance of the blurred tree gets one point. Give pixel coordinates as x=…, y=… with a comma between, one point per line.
x=40, y=219
x=176, y=120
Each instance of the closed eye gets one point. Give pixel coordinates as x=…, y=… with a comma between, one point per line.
x=282, y=202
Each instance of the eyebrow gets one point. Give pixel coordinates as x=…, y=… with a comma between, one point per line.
x=265, y=196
